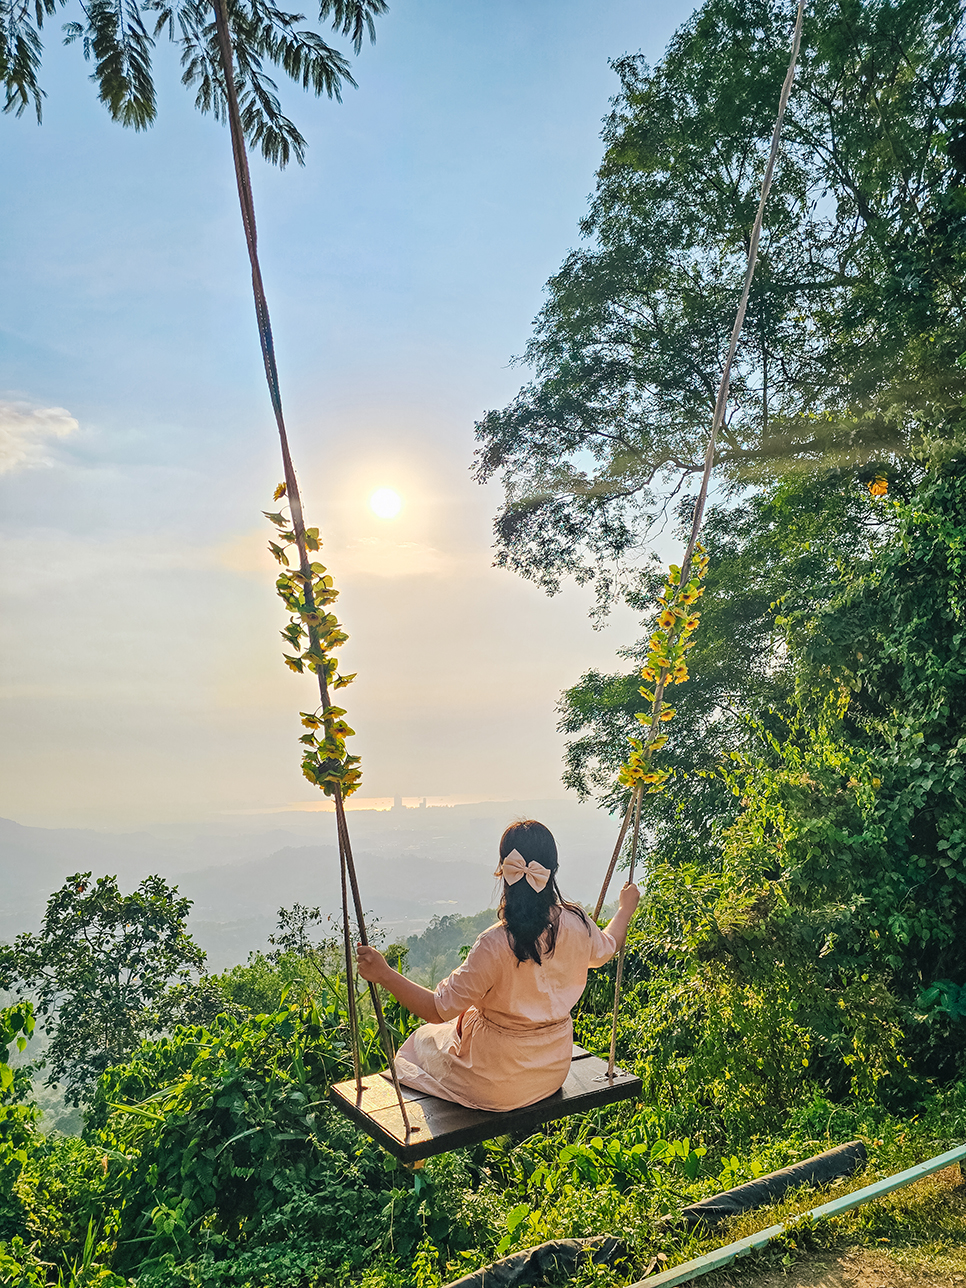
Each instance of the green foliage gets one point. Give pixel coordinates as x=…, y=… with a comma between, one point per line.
x=777, y=554
x=100, y=971
x=17, y=1121
x=120, y=39
x=68, y=1191
x=945, y=996
x=887, y=661
x=299, y=966
x=16, y=1027
x=213, y=1159
x=309, y=971
x=440, y=947
x=210, y=1117
x=231, y=1156
x=848, y=358
x=807, y=938
x=260, y=986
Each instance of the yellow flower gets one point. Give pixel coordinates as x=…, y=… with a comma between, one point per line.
x=879, y=485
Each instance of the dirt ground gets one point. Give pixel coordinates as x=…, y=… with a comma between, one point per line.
x=856, y=1268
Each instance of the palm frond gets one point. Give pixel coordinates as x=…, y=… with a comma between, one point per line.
x=117, y=41
x=114, y=36
x=262, y=34
x=20, y=53
x=353, y=18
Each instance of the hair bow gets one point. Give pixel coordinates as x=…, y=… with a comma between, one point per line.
x=515, y=866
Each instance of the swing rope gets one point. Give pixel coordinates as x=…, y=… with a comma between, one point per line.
x=346, y=861
x=636, y=802
x=349, y=879
x=720, y=407
x=628, y=813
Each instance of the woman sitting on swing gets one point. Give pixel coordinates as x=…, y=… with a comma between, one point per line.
x=499, y=1034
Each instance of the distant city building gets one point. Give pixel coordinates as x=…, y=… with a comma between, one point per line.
x=397, y=803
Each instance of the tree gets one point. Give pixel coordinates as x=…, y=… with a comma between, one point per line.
x=851, y=818
x=887, y=660
x=444, y=942
x=776, y=555
x=100, y=972
x=820, y=922
x=120, y=38
x=856, y=319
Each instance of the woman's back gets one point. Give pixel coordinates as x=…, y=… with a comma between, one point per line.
x=506, y=1036
x=518, y=994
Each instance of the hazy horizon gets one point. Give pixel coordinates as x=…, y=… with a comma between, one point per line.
x=412, y=863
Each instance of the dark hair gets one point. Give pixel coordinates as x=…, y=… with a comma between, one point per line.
x=527, y=913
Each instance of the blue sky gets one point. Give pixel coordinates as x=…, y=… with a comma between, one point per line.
x=141, y=678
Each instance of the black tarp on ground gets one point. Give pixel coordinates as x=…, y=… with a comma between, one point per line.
x=558, y=1258
x=820, y=1170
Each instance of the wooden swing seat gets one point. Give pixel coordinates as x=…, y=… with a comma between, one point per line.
x=437, y=1126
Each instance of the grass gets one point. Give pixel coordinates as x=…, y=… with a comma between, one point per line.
x=913, y=1238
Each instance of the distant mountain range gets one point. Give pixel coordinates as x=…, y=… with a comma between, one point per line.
x=412, y=863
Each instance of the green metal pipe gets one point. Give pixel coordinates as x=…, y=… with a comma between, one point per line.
x=725, y=1256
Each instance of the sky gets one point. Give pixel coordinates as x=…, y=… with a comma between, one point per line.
x=141, y=678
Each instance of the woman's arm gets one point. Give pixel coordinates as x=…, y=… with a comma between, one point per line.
x=630, y=897
x=374, y=968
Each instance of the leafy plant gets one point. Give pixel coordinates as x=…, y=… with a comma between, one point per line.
x=313, y=634
x=17, y=1121
x=944, y=995
x=626, y=353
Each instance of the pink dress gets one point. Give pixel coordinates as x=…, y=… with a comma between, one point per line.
x=508, y=1036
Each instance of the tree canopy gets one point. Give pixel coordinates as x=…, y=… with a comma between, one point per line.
x=808, y=854
x=856, y=320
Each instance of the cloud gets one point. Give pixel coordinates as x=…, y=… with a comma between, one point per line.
x=25, y=432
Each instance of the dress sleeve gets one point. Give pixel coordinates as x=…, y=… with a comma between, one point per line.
x=469, y=983
x=602, y=946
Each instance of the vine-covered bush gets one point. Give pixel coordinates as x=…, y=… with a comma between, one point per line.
x=226, y=1148
x=800, y=943
x=17, y=1120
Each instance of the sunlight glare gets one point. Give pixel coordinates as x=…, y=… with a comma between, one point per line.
x=385, y=502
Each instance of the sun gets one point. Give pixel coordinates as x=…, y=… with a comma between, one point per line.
x=385, y=502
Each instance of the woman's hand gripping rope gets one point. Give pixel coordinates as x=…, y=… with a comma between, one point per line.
x=374, y=969
x=630, y=897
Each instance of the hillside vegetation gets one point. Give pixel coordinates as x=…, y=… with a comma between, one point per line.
x=796, y=972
